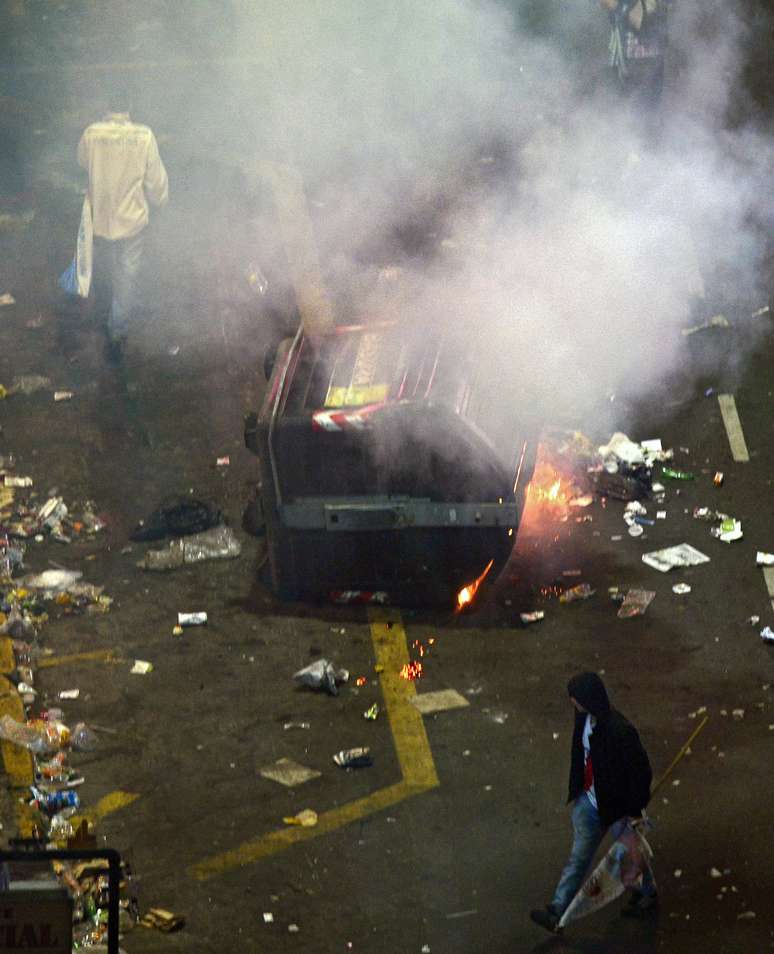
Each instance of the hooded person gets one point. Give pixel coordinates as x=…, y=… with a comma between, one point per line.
x=609, y=788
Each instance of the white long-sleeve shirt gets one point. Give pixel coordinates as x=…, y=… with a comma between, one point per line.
x=125, y=173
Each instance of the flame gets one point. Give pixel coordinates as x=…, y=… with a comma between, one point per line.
x=553, y=492
x=467, y=593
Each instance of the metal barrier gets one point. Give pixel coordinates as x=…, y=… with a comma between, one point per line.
x=85, y=854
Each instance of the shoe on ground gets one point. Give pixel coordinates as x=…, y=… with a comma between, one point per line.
x=640, y=905
x=547, y=918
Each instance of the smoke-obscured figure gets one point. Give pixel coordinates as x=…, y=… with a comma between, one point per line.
x=125, y=174
x=638, y=41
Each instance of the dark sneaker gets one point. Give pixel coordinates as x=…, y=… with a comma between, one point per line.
x=640, y=905
x=547, y=918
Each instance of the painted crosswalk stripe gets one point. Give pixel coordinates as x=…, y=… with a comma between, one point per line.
x=733, y=427
x=768, y=576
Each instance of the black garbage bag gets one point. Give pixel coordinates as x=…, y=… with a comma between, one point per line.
x=177, y=517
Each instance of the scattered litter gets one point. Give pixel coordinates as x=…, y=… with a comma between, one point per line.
x=555, y=736
x=620, y=448
x=51, y=580
x=728, y=531
x=677, y=474
x=177, y=630
x=162, y=920
x=764, y=559
x=268, y=917
x=678, y=872
x=533, y=617
x=173, y=351
x=296, y=725
x=29, y=384
x=223, y=461
x=717, y=480
x=141, y=667
x=440, y=701
x=9, y=480
x=661, y=514
x=681, y=589
x=582, y=591
x=738, y=714
x=69, y=694
x=372, y=713
x=767, y=634
x=7, y=299
x=716, y=321
x=177, y=517
x=681, y=555
x=461, y=914
x=635, y=530
x=63, y=395
x=293, y=928
x=217, y=543
x=354, y=758
x=745, y=916
x=192, y=619
x=306, y=818
x=322, y=674
x=584, y=501
x=635, y=603
x=288, y=773
x=498, y=716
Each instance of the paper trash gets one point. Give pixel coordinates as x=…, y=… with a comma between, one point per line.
x=681, y=555
x=623, y=867
x=764, y=559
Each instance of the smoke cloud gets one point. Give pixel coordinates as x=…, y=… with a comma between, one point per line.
x=465, y=163
x=524, y=204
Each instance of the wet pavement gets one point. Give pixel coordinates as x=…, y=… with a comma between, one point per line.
x=452, y=867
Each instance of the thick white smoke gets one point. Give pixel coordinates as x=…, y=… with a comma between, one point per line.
x=522, y=201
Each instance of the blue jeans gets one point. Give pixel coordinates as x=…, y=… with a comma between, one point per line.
x=119, y=261
x=588, y=832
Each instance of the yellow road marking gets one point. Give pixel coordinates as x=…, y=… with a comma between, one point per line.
x=113, y=802
x=411, y=744
x=17, y=761
x=94, y=655
x=7, y=660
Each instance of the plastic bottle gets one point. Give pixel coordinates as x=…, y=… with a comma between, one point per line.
x=55, y=803
x=82, y=738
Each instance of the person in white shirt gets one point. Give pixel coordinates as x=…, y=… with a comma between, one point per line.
x=126, y=174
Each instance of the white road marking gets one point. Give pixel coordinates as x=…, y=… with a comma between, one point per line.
x=768, y=576
x=733, y=427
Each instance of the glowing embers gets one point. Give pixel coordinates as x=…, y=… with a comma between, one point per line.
x=414, y=669
x=467, y=594
x=411, y=671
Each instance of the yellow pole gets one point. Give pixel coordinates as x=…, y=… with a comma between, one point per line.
x=679, y=756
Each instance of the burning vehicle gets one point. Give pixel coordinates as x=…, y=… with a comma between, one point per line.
x=381, y=479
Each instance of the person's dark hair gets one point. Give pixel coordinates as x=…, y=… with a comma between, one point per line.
x=590, y=692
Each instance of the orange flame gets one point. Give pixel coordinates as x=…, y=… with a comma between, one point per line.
x=467, y=593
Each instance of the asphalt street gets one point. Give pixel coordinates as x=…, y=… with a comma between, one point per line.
x=460, y=826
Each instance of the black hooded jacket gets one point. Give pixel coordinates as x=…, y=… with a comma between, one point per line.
x=622, y=774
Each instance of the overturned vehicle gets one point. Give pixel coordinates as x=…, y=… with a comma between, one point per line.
x=381, y=479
